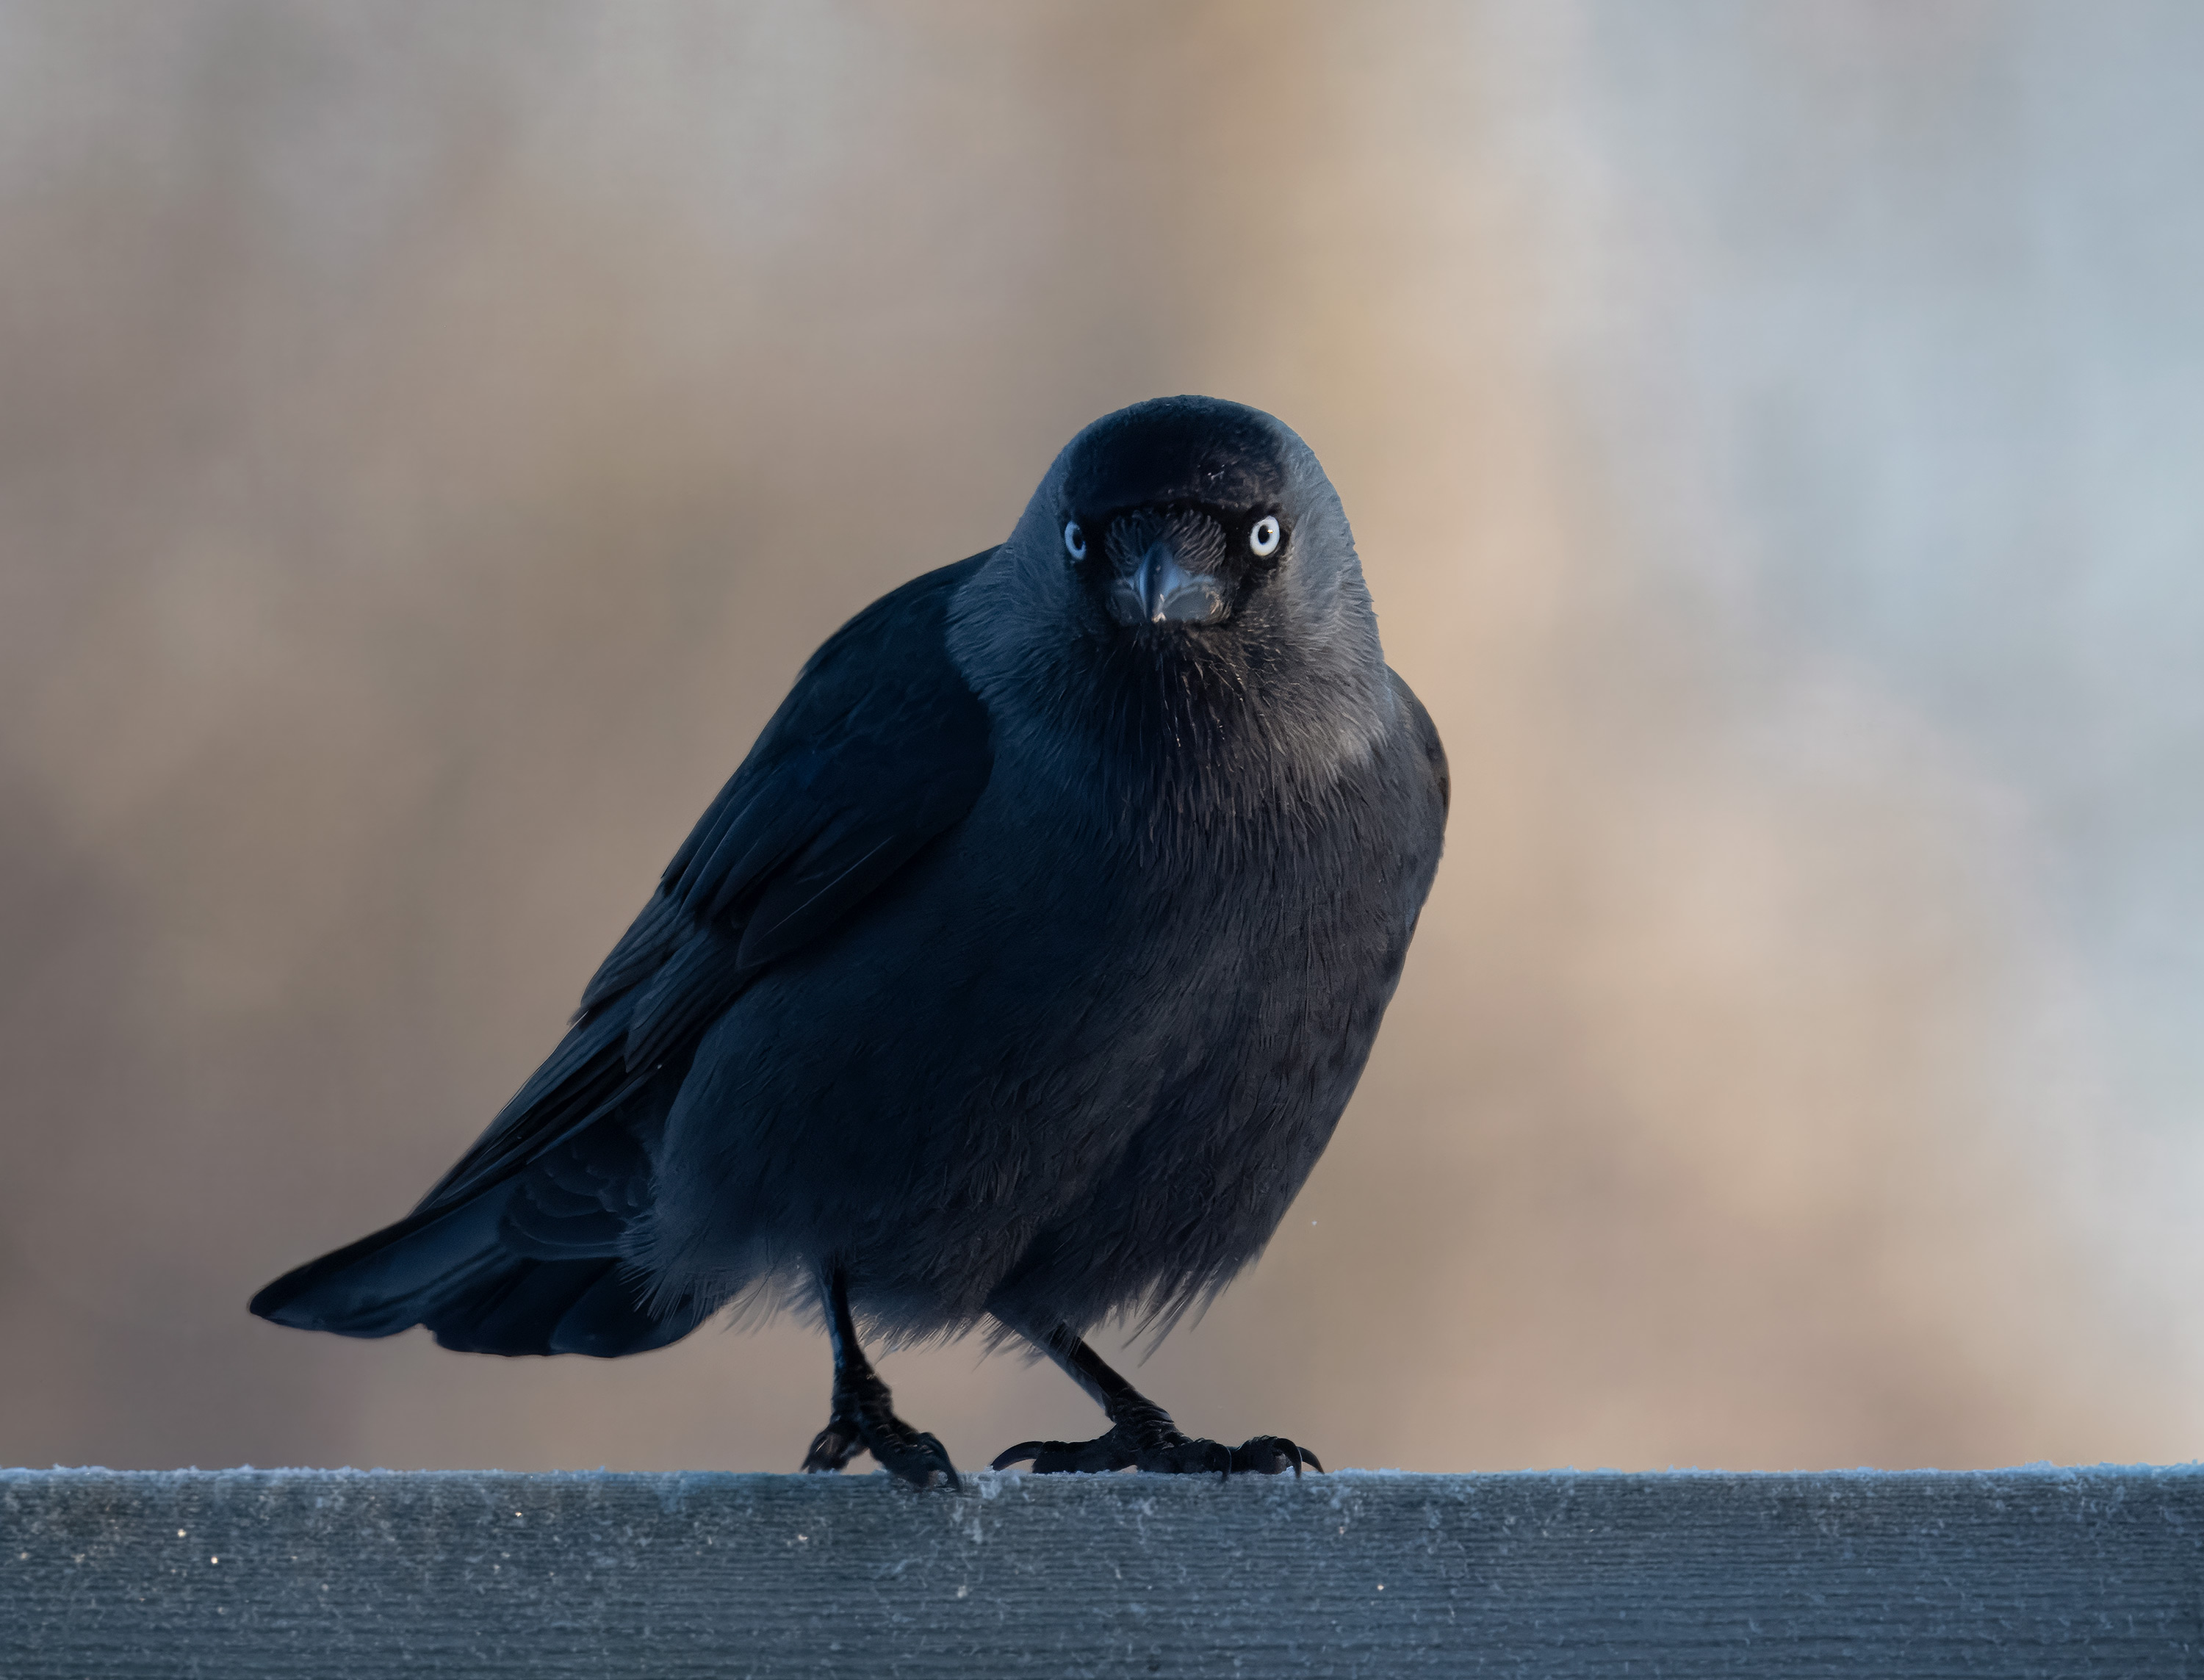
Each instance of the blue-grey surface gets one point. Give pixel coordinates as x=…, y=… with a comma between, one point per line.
x=2011, y=1573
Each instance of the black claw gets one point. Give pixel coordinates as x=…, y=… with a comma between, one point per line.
x=1271, y=1455
x=832, y=1447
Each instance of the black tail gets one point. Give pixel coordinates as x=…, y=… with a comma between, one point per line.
x=458, y=1273
x=520, y=1249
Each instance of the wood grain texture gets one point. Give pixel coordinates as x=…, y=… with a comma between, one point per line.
x=2008, y=1573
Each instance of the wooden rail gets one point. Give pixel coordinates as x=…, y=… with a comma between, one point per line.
x=231, y=1574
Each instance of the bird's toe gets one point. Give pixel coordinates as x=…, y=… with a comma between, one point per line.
x=1058, y=1458
x=1160, y=1451
x=1185, y=1455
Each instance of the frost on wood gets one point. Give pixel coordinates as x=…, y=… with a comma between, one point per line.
x=312, y=1572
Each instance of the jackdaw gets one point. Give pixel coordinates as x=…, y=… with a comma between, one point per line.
x=1020, y=973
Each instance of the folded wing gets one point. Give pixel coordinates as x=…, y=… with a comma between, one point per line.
x=880, y=748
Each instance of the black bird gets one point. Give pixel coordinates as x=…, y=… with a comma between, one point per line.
x=1020, y=973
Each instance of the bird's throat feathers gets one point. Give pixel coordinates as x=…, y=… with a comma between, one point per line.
x=1155, y=730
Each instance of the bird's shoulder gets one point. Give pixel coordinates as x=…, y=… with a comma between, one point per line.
x=880, y=746
x=887, y=668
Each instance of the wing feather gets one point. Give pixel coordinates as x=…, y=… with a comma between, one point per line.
x=880, y=748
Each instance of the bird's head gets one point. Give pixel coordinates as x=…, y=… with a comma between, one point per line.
x=1178, y=512
x=1188, y=522
x=1194, y=540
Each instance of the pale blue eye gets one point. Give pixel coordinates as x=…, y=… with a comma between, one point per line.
x=1264, y=538
x=1075, y=541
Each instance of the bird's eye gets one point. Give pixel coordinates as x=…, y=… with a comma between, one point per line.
x=1264, y=538
x=1075, y=541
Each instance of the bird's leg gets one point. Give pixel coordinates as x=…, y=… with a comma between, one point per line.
x=863, y=1415
x=1141, y=1434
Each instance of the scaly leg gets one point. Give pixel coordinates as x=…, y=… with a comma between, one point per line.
x=863, y=1416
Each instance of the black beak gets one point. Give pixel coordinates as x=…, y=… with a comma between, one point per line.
x=1161, y=591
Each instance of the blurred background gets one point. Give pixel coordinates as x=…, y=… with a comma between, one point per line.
x=431, y=437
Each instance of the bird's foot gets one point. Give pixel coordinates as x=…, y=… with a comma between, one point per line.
x=1149, y=1441
x=864, y=1418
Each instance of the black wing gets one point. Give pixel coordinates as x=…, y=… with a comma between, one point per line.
x=880, y=748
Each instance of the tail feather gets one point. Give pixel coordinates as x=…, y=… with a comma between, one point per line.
x=520, y=1249
x=608, y=1319
x=455, y=1273
x=517, y=1309
x=556, y=1306
x=387, y=1281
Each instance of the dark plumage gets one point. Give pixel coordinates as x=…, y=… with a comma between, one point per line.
x=1021, y=973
